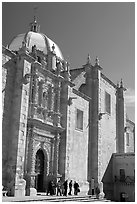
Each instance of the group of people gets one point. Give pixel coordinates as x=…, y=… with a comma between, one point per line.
x=63, y=188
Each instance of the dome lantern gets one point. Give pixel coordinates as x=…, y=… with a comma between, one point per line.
x=34, y=25
x=34, y=37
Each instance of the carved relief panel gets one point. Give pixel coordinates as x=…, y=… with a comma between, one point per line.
x=44, y=99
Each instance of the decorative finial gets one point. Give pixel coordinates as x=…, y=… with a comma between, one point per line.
x=96, y=61
x=35, y=13
x=53, y=47
x=23, y=44
x=68, y=70
x=117, y=84
x=121, y=84
x=68, y=66
x=88, y=59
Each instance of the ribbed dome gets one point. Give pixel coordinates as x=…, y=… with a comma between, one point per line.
x=42, y=42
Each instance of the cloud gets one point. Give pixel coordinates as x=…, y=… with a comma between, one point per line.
x=130, y=97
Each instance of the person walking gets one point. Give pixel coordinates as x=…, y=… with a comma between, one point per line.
x=70, y=187
x=76, y=188
x=65, y=184
x=97, y=191
x=59, y=188
x=50, y=188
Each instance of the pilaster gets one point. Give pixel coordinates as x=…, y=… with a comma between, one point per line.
x=18, y=115
x=56, y=155
x=120, y=119
x=93, y=83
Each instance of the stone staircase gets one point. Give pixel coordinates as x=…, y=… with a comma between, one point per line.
x=78, y=199
x=44, y=198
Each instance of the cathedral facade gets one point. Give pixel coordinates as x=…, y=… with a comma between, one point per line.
x=57, y=122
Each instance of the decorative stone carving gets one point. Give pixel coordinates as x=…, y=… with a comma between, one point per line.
x=59, y=68
x=34, y=52
x=56, y=152
x=57, y=114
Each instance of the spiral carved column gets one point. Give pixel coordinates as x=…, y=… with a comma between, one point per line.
x=30, y=174
x=56, y=155
x=57, y=104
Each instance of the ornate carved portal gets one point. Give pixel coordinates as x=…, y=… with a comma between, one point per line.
x=40, y=168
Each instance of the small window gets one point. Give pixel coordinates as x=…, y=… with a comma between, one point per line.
x=122, y=174
x=79, y=119
x=107, y=102
x=39, y=59
x=127, y=139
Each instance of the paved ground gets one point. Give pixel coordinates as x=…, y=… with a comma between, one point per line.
x=44, y=198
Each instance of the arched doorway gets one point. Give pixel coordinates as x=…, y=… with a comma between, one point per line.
x=39, y=169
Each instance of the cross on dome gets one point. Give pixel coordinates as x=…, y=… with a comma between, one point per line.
x=34, y=26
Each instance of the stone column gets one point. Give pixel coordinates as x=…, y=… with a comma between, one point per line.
x=34, y=91
x=40, y=84
x=57, y=104
x=56, y=155
x=31, y=164
x=52, y=97
x=52, y=157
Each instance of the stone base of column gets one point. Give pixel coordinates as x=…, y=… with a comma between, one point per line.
x=99, y=191
x=20, y=188
x=33, y=192
x=102, y=194
x=84, y=187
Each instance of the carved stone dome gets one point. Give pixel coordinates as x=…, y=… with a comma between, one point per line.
x=33, y=37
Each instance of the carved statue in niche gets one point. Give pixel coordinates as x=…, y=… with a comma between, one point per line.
x=44, y=63
x=34, y=51
x=49, y=104
x=44, y=99
x=58, y=70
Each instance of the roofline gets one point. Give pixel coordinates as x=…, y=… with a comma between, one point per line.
x=81, y=94
x=128, y=120
x=76, y=68
x=102, y=75
x=108, y=80
x=124, y=154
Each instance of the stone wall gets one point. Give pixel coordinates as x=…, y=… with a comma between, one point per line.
x=130, y=132
x=5, y=59
x=77, y=141
x=107, y=128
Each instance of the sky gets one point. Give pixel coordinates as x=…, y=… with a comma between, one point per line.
x=103, y=29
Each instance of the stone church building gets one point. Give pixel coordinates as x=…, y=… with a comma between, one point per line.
x=57, y=122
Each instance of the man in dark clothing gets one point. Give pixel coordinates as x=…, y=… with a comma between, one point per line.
x=70, y=187
x=65, y=184
x=59, y=188
x=50, y=188
x=76, y=188
x=97, y=191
